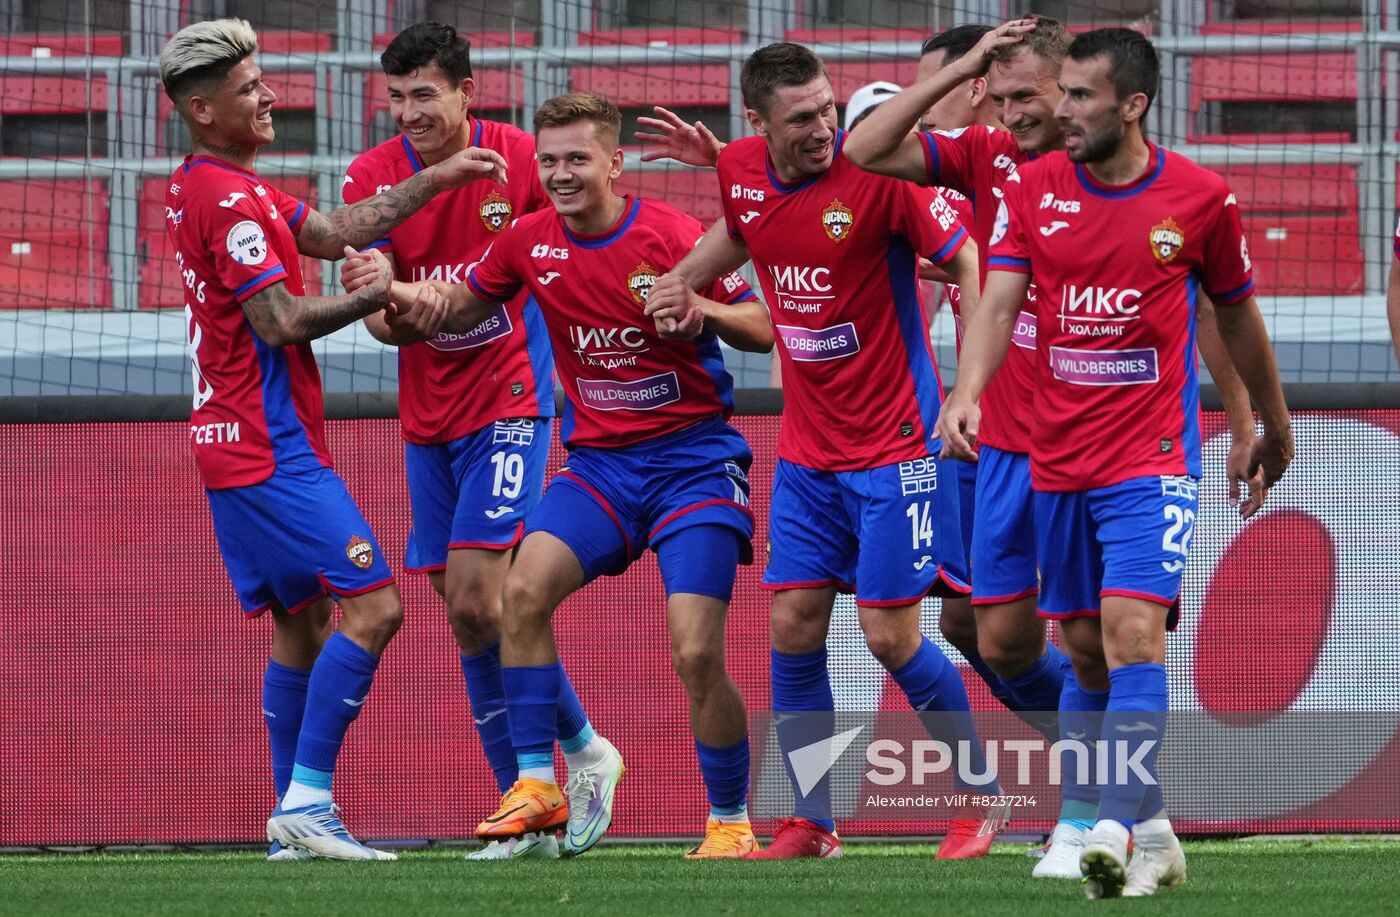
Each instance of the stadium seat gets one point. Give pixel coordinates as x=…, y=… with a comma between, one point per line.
x=849, y=75
x=644, y=85
x=1303, y=227
x=53, y=245
x=159, y=284
x=692, y=191
x=42, y=112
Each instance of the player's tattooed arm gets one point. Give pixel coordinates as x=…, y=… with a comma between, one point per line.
x=280, y=318
x=1238, y=413
x=325, y=235
x=1247, y=340
x=453, y=308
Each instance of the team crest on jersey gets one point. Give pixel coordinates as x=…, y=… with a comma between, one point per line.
x=837, y=220
x=640, y=282
x=360, y=552
x=1166, y=238
x=495, y=211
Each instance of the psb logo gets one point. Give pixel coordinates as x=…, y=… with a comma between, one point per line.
x=837, y=220
x=544, y=250
x=495, y=211
x=246, y=243
x=1167, y=239
x=360, y=552
x=640, y=282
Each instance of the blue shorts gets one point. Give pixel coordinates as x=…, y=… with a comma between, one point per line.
x=967, y=504
x=891, y=534
x=1130, y=539
x=294, y=538
x=610, y=505
x=1003, y=546
x=474, y=492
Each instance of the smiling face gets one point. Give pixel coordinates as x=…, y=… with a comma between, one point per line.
x=431, y=111
x=800, y=127
x=239, y=112
x=577, y=169
x=1024, y=92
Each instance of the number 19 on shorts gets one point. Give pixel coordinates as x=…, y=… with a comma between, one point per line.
x=509, y=476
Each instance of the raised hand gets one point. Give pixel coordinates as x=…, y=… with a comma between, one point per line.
x=469, y=165
x=975, y=62
x=692, y=144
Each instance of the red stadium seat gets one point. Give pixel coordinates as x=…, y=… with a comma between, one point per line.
x=849, y=75
x=159, y=284
x=692, y=191
x=1303, y=227
x=672, y=85
x=22, y=94
x=53, y=245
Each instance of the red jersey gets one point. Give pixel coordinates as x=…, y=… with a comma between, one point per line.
x=977, y=161
x=837, y=257
x=1118, y=270
x=458, y=383
x=256, y=407
x=623, y=382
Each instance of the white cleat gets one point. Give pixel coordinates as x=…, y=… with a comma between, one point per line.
x=590, y=792
x=539, y=846
x=1103, y=864
x=1154, y=868
x=276, y=853
x=1061, y=860
x=319, y=830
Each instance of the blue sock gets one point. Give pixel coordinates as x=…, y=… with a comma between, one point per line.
x=1037, y=691
x=482, y=673
x=283, y=704
x=726, y=775
x=336, y=693
x=1137, y=713
x=1081, y=722
x=570, y=720
x=532, y=701
x=802, y=686
x=934, y=687
x=992, y=680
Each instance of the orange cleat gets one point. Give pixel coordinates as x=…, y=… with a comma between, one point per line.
x=529, y=806
x=971, y=837
x=798, y=838
x=725, y=840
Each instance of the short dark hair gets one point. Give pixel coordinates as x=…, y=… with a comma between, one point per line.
x=783, y=63
x=572, y=107
x=1048, y=41
x=955, y=42
x=1132, y=61
x=428, y=43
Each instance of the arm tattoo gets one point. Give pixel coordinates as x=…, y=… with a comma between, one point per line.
x=359, y=224
x=280, y=318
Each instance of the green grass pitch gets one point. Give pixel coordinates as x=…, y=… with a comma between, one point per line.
x=1330, y=878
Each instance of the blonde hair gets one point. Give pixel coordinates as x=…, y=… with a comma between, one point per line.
x=572, y=107
x=204, y=52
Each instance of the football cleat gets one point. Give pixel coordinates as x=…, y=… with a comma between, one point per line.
x=799, y=838
x=277, y=853
x=590, y=791
x=529, y=847
x=1103, y=865
x=318, y=829
x=724, y=840
x=969, y=838
x=1152, y=868
x=1061, y=860
x=527, y=807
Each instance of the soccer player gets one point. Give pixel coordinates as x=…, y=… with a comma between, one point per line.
x=288, y=531
x=974, y=71
x=652, y=462
x=858, y=499
x=474, y=406
x=1134, y=233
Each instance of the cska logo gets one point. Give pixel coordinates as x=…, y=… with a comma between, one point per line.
x=1166, y=239
x=360, y=552
x=640, y=282
x=495, y=211
x=837, y=220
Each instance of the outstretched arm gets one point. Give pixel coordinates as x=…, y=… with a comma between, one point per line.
x=326, y=235
x=280, y=318
x=884, y=141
